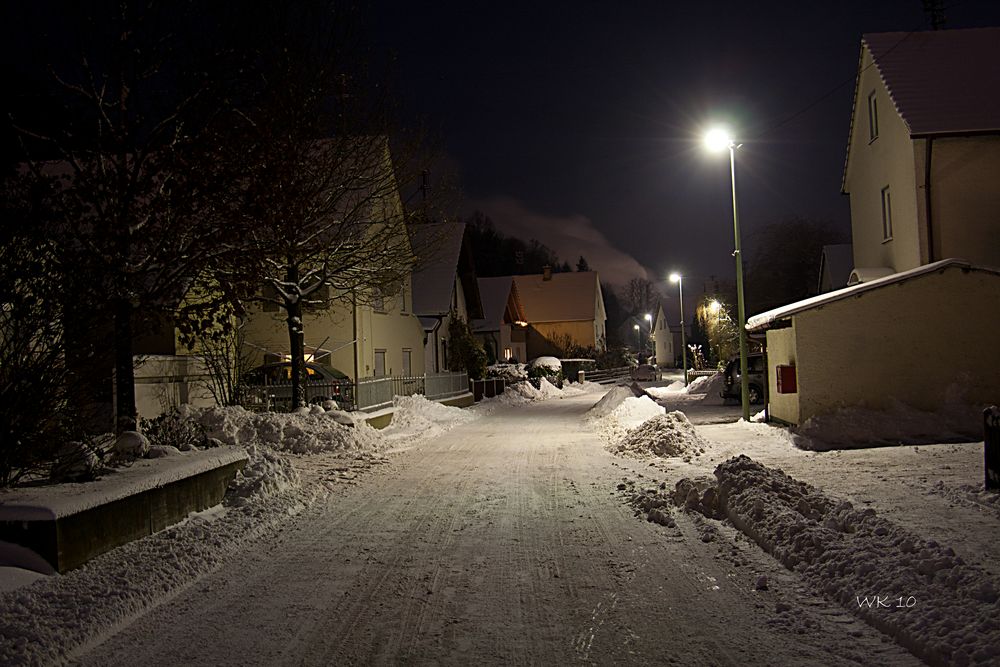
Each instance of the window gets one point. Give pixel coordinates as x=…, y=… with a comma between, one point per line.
x=872, y=117
x=402, y=297
x=380, y=363
x=507, y=353
x=886, y=214
x=378, y=301
x=406, y=362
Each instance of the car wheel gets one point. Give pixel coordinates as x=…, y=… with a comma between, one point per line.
x=754, y=394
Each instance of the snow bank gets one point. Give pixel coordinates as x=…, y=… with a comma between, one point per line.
x=610, y=401
x=900, y=424
x=704, y=388
x=520, y=393
x=662, y=435
x=417, y=415
x=918, y=591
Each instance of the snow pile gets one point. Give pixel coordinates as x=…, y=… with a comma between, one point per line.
x=626, y=415
x=610, y=401
x=900, y=424
x=918, y=591
x=663, y=435
x=548, y=390
x=266, y=474
x=704, y=388
x=417, y=415
x=308, y=433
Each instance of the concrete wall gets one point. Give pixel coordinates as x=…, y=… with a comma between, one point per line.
x=873, y=164
x=781, y=351
x=541, y=335
x=910, y=341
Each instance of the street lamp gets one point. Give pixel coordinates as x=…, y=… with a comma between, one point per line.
x=679, y=279
x=717, y=140
x=649, y=318
x=638, y=343
x=715, y=308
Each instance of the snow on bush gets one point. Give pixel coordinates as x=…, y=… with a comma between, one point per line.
x=900, y=424
x=549, y=363
x=663, y=435
x=932, y=602
x=507, y=371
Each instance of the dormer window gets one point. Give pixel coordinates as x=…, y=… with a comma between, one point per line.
x=872, y=117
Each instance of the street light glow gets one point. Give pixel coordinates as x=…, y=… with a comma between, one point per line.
x=675, y=277
x=649, y=317
x=717, y=139
x=714, y=307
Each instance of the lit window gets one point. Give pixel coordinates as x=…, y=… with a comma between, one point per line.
x=507, y=353
x=886, y=214
x=872, y=117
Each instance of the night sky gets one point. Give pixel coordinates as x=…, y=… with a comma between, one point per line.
x=578, y=123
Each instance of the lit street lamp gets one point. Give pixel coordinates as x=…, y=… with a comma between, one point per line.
x=638, y=343
x=649, y=318
x=718, y=140
x=679, y=279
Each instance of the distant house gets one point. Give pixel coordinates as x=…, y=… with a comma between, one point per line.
x=923, y=164
x=667, y=348
x=444, y=286
x=562, y=308
x=502, y=329
x=923, y=156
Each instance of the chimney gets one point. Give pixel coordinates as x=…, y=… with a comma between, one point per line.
x=546, y=272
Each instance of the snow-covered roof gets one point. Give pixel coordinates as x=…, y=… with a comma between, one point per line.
x=434, y=281
x=764, y=320
x=565, y=297
x=941, y=81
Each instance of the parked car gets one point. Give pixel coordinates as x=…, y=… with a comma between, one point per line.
x=756, y=377
x=645, y=373
x=274, y=383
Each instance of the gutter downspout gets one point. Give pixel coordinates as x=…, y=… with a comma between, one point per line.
x=928, y=154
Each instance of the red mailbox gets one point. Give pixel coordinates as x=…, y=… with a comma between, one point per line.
x=785, y=375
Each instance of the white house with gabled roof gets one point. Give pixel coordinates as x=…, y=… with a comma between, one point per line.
x=923, y=156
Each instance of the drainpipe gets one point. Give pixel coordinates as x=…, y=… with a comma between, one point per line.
x=929, y=217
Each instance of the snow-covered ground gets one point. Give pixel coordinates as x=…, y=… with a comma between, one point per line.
x=498, y=542
x=294, y=460
x=902, y=535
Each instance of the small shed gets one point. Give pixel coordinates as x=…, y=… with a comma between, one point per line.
x=920, y=337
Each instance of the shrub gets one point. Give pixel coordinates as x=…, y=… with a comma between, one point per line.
x=175, y=429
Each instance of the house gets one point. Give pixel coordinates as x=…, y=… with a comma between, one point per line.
x=917, y=322
x=906, y=337
x=923, y=156
x=502, y=330
x=362, y=335
x=444, y=286
x=666, y=348
x=560, y=309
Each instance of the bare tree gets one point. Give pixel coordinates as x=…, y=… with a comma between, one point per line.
x=322, y=221
x=136, y=150
x=640, y=296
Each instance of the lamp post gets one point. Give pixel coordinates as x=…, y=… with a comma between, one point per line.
x=649, y=318
x=638, y=342
x=715, y=308
x=717, y=140
x=679, y=279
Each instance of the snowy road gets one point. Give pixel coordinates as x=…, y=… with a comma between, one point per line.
x=503, y=541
